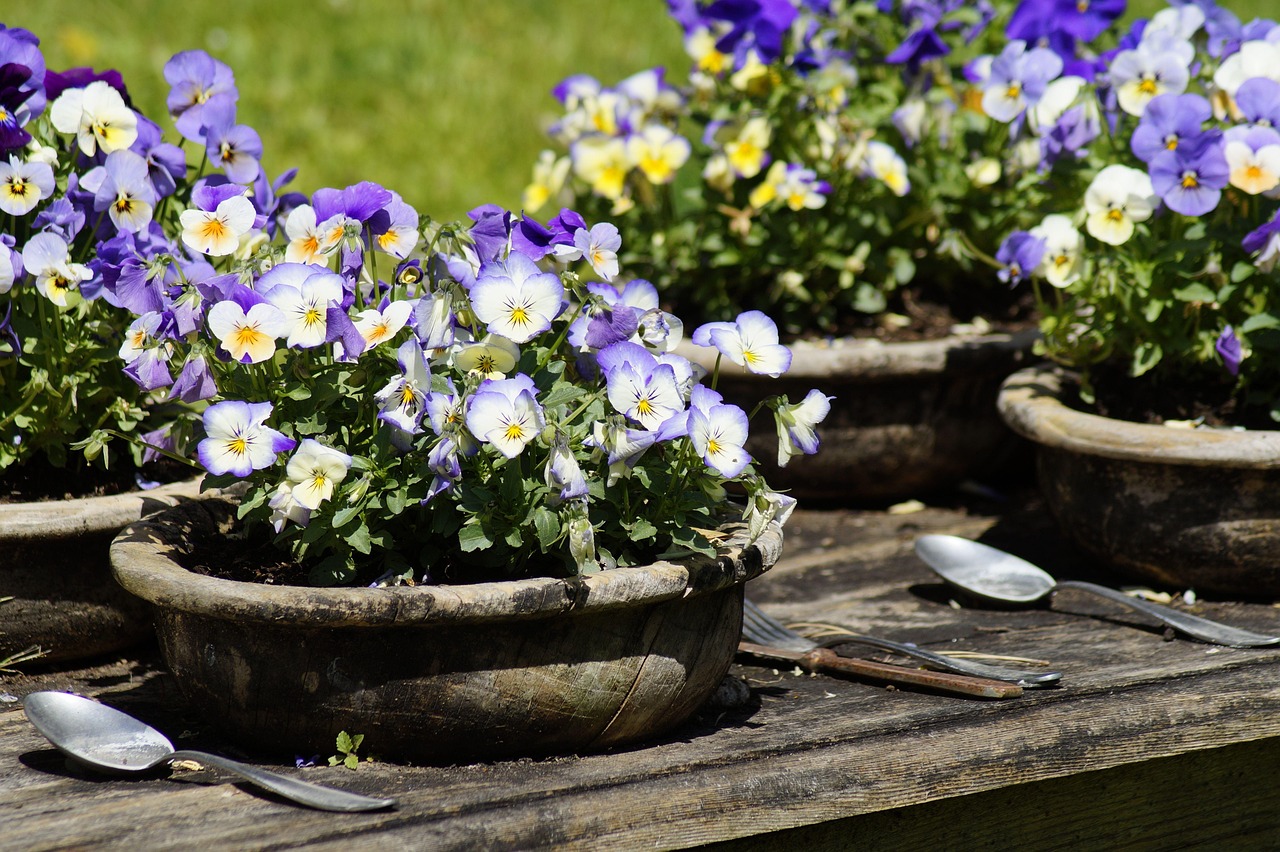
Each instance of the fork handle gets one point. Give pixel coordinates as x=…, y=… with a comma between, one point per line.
x=1192, y=625
x=951, y=664
x=826, y=660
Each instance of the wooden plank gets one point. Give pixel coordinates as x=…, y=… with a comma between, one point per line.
x=846, y=759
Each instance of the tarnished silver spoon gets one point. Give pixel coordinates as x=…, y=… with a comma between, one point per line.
x=994, y=575
x=104, y=738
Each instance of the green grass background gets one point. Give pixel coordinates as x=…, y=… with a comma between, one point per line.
x=444, y=101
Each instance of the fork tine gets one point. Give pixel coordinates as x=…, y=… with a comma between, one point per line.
x=764, y=629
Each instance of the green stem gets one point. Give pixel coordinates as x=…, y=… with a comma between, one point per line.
x=169, y=454
x=22, y=406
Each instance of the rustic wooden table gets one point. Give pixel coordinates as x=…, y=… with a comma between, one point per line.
x=1149, y=741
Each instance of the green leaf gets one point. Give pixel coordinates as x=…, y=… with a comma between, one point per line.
x=344, y=516
x=472, y=537
x=562, y=394
x=1195, y=292
x=345, y=745
x=1145, y=356
x=1242, y=271
x=359, y=540
x=547, y=524
x=1258, y=322
x=868, y=299
x=642, y=529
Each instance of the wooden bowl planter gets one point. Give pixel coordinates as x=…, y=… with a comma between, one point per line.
x=1181, y=508
x=441, y=673
x=54, y=565
x=907, y=418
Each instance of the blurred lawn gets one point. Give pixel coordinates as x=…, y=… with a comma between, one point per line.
x=443, y=101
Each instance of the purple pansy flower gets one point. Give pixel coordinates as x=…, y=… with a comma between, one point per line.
x=1168, y=120
x=1228, y=346
x=1190, y=178
x=1020, y=254
x=239, y=441
x=199, y=83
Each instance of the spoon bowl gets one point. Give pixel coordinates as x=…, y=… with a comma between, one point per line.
x=997, y=577
x=102, y=738
x=986, y=573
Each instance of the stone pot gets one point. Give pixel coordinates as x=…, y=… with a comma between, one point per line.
x=907, y=418
x=54, y=566
x=1179, y=508
x=440, y=673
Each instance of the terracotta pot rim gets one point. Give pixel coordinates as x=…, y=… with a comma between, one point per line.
x=141, y=564
x=1031, y=403
x=68, y=518
x=849, y=355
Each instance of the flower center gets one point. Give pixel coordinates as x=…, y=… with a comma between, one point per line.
x=1189, y=180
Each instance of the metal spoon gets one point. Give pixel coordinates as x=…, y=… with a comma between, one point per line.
x=102, y=737
x=993, y=575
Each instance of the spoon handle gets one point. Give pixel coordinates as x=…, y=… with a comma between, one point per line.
x=1192, y=625
x=302, y=792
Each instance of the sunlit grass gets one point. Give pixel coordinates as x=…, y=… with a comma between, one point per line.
x=442, y=100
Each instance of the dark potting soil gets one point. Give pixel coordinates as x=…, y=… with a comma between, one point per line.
x=251, y=559
x=38, y=480
x=1153, y=399
x=923, y=313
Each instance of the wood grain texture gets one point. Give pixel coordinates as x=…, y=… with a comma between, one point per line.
x=1146, y=743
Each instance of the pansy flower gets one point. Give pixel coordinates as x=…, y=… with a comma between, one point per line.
x=505, y=413
x=313, y=472
x=602, y=162
x=1018, y=79
x=1063, y=245
x=23, y=185
x=234, y=148
x=797, y=424
x=516, y=299
x=1149, y=70
x=1168, y=121
x=249, y=336
x=198, y=83
x=239, y=441
x=718, y=432
x=658, y=152
x=1118, y=197
x=563, y=474
x=308, y=243
x=1190, y=178
x=126, y=192
x=97, y=116
x=1253, y=157
x=748, y=152
x=378, y=325
x=492, y=356
x=220, y=217
x=303, y=296
x=599, y=247
x=1019, y=254
x=750, y=341
x=639, y=386
x=403, y=398
x=47, y=258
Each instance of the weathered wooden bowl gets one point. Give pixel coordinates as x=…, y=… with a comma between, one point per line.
x=435, y=673
x=908, y=419
x=1182, y=508
x=54, y=566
